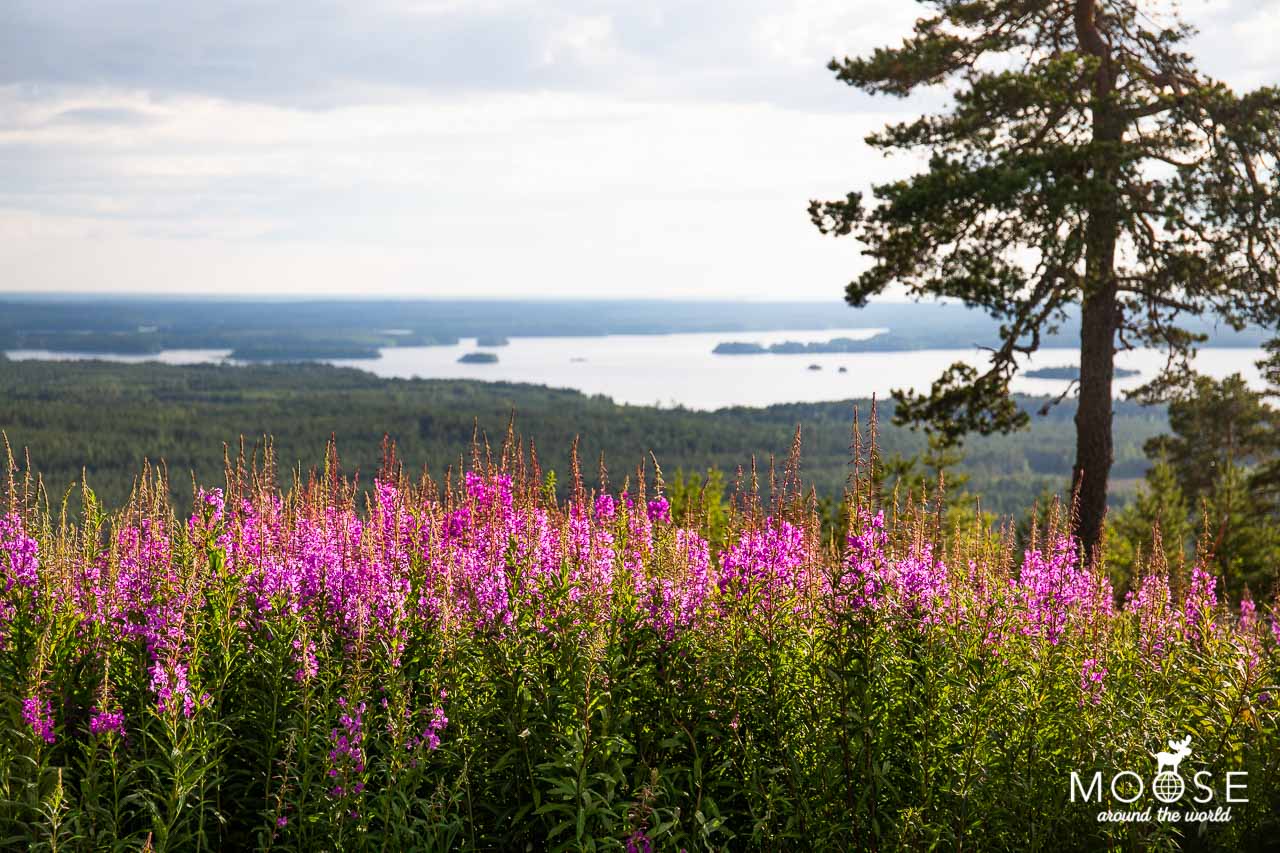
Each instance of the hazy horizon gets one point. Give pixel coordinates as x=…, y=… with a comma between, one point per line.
x=90, y=295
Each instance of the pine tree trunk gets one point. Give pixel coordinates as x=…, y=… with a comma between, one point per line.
x=1100, y=309
x=1093, y=415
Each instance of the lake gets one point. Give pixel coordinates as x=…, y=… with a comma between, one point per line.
x=680, y=369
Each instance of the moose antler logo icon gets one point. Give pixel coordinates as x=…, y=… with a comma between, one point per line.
x=1168, y=785
x=1169, y=761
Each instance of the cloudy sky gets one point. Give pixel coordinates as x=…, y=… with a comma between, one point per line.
x=432, y=148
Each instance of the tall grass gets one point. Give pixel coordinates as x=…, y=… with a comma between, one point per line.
x=478, y=665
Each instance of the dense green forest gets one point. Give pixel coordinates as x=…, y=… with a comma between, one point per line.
x=107, y=418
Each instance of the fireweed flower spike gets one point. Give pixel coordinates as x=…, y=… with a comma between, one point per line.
x=1151, y=604
x=1202, y=598
x=101, y=722
x=19, y=570
x=862, y=582
x=660, y=510
x=37, y=713
x=770, y=562
x=1092, y=686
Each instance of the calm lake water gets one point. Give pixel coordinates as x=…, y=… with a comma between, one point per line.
x=680, y=370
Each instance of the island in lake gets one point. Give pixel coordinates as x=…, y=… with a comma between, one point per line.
x=491, y=341
x=478, y=358
x=886, y=342
x=1071, y=372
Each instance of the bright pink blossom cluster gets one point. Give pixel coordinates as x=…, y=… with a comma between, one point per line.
x=346, y=753
x=332, y=582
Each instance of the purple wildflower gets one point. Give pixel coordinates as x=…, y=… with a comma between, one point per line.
x=659, y=510
x=346, y=753
x=1202, y=598
x=862, y=581
x=19, y=555
x=639, y=842
x=1156, y=626
x=1092, y=687
x=770, y=562
x=605, y=508
x=38, y=714
x=101, y=722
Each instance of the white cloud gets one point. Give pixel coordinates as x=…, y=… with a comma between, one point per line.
x=803, y=31
x=1237, y=39
x=581, y=39
x=491, y=194
x=443, y=147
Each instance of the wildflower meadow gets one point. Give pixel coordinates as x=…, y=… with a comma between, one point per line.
x=491, y=663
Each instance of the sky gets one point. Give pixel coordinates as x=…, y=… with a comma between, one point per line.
x=445, y=148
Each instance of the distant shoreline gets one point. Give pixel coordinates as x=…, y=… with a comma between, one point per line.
x=312, y=329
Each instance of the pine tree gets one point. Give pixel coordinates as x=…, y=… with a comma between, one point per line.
x=1220, y=450
x=1159, y=507
x=1084, y=161
x=1215, y=424
x=1243, y=538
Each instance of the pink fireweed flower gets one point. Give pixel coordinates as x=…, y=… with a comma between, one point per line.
x=1092, y=686
x=861, y=583
x=638, y=554
x=1248, y=613
x=540, y=555
x=173, y=691
x=19, y=555
x=437, y=725
x=430, y=734
x=7, y=614
x=916, y=585
x=1202, y=598
x=1045, y=587
x=308, y=666
x=457, y=523
x=920, y=584
x=1150, y=602
x=770, y=562
x=492, y=492
x=346, y=753
x=101, y=722
x=1249, y=636
x=984, y=603
x=207, y=518
x=470, y=558
x=659, y=510
x=605, y=507
x=591, y=553
x=355, y=574
x=674, y=601
x=1053, y=588
x=38, y=714
x=639, y=842
x=19, y=567
x=214, y=502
